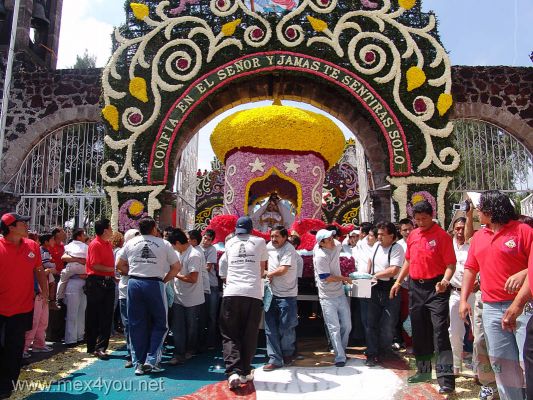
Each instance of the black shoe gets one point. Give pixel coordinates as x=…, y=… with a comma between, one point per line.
x=446, y=390
x=371, y=361
x=5, y=395
x=340, y=364
x=102, y=355
x=420, y=377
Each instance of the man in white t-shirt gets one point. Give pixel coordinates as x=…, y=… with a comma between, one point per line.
x=188, y=298
x=71, y=286
x=383, y=312
x=242, y=268
x=361, y=253
x=195, y=240
x=350, y=241
x=150, y=262
x=334, y=303
x=457, y=326
x=210, y=253
x=281, y=318
x=365, y=247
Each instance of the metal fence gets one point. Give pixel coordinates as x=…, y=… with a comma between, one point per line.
x=59, y=181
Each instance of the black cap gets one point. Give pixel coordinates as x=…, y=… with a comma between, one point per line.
x=244, y=225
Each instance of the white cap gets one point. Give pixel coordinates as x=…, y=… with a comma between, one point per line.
x=323, y=234
x=130, y=234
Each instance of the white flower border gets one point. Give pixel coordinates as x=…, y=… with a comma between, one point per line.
x=153, y=203
x=400, y=194
x=383, y=17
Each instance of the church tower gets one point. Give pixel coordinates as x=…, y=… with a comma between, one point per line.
x=37, y=39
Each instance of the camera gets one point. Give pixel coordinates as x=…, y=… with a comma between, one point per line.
x=464, y=206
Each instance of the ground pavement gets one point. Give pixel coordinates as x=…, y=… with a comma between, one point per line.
x=72, y=374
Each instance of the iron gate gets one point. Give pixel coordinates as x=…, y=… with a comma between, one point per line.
x=59, y=183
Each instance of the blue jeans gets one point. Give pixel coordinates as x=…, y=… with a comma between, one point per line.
x=123, y=303
x=336, y=312
x=213, y=305
x=281, y=320
x=506, y=350
x=382, y=318
x=147, y=320
x=185, y=325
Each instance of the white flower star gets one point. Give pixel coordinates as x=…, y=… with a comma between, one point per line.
x=257, y=165
x=291, y=166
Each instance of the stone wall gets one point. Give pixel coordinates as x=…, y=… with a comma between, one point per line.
x=42, y=101
x=500, y=95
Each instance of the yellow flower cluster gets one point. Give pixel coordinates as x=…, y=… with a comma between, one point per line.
x=110, y=113
x=138, y=89
x=141, y=11
x=229, y=28
x=279, y=128
x=136, y=208
x=415, y=78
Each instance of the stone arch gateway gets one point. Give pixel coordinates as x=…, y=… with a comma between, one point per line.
x=379, y=65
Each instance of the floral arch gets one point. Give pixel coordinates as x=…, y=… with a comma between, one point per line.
x=383, y=58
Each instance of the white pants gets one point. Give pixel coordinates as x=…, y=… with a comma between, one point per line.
x=457, y=327
x=76, y=302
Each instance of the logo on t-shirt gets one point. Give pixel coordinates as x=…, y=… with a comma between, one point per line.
x=146, y=252
x=31, y=254
x=510, y=244
x=432, y=243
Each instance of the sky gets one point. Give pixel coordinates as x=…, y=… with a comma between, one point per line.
x=500, y=33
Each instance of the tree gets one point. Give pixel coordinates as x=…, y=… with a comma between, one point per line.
x=85, y=61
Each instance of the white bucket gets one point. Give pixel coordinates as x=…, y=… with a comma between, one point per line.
x=361, y=288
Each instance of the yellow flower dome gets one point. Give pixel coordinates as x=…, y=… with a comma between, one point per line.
x=278, y=127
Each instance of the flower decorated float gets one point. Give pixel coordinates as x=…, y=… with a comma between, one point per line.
x=276, y=149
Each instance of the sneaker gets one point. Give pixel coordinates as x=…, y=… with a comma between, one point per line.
x=147, y=368
x=128, y=364
x=234, y=381
x=45, y=349
x=446, y=390
x=139, y=370
x=156, y=369
x=486, y=393
x=26, y=355
x=246, y=378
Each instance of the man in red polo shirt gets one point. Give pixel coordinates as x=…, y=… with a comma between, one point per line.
x=499, y=251
x=20, y=259
x=430, y=262
x=100, y=290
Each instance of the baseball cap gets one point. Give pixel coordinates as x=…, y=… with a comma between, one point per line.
x=323, y=234
x=355, y=232
x=244, y=225
x=10, y=218
x=130, y=234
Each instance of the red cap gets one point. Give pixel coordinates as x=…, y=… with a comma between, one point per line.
x=10, y=218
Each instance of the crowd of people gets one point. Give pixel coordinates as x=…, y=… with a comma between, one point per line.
x=443, y=283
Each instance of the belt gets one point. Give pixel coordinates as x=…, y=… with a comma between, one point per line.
x=457, y=289
x=428, y=281
x=100, y=277
x=146, y=278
